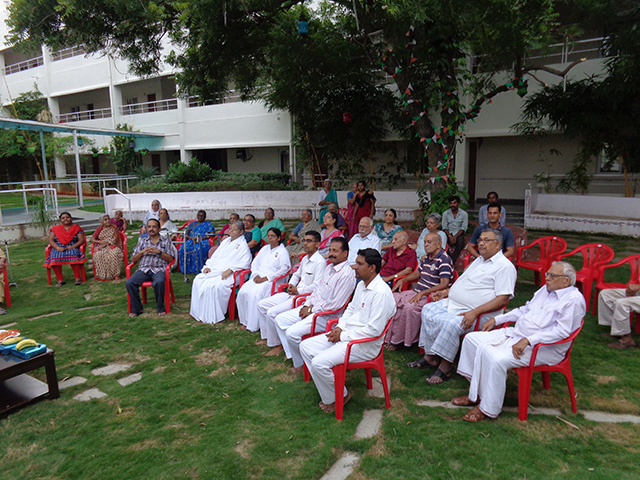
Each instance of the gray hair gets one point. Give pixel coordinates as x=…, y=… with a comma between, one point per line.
x=368, y=218
x=436, y=217
x=240, y=225
x=309, y=211
x=496, y=233
x=569, y=271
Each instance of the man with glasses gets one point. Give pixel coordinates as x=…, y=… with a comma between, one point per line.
x=306, y=279
x=554, y=313
x=493, y=222
x=365, y=238
x=484, y=288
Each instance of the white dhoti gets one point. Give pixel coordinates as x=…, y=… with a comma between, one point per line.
x=485, y=359
x=614, y=308
x=291, y=329
x=210, y=297
x=320, y=356
x=247, y=301
x=268, y=309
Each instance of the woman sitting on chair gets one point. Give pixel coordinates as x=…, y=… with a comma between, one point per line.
x=196, y=244
x=329, y=232
x=65, y=241
x=107, y=253
x=272, y=261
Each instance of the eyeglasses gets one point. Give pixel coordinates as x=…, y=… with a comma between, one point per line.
x=554, y=275
x=308, y=240
x=485, y=240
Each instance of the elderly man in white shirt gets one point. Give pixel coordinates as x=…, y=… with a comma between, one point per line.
x=306, y=279
x=366, y=317
x=554, y=313
x=365, y=238
x=483, y=288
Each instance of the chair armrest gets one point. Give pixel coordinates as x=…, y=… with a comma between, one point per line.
x=297, y=298
x=364, y=340
x=569, y=339
x=331, y=323
x=275, y=281
x=243, y=275
x=128, y=269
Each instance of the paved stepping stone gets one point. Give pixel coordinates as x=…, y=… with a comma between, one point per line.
x=370, y=424
x=344, y=467
x=12, y=324
x=89, y=395
x=45, y=315
x=610, y=417
x=377, y=391
x=71, y=382
x=111, y=369
x=130, y=379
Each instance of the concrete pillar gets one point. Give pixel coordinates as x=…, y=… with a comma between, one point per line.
x=185, y=155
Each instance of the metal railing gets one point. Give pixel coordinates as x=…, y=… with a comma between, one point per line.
x=44, y=191
x=68, y=53
x=147, y=107
x=84, y=115
x=104, y=195
x=230, y=97
x=25, y=65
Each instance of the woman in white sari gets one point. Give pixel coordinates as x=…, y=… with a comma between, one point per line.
x=272, y=261
x=212, y=288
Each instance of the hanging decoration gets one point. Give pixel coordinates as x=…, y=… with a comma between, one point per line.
x=346, y=117
x=303, y=28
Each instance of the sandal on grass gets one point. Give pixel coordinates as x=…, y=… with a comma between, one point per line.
x=464, y=401
x=420, y=363
x=59, y=284
x=77, y=282
x=623, y=344
x=474, y=415
x=437, y=378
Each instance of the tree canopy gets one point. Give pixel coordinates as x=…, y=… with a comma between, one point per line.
x=403, y=64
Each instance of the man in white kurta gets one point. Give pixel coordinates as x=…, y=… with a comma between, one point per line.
x=486, y=286
x=212, y=288
x=554, y=313
x=366, y=317
x=614, y=307
x=271, y=262
x=365, y=238
x=336, y=286
x=303, y=281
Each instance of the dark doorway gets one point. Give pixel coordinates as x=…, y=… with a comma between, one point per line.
x=473, y=161
x=215, y=158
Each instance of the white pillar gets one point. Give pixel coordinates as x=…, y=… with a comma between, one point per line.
x=78, y=173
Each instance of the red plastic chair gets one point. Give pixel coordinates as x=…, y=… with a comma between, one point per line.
x=634, y=264
x=7, y=289
x=525, y=374
x=125, y=258
x=340, y=371
x=594, y=256
x=239, y=279
x=169, y=296
x=83, y=273
x=550, y=248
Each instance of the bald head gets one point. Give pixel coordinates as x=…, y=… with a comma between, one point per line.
x=432, y=244
x=400, y=240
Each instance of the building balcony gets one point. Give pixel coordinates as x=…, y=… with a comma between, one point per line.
x=149, y=107
x=22, y=66
x=84, y=115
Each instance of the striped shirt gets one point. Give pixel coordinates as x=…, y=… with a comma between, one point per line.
x=432, y=269
x=335, y=289
x=153, y=263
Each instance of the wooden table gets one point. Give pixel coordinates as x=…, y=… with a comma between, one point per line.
x=17, y=388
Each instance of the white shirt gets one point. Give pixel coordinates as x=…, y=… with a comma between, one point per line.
x=367, y=314
x=335, y=288
x=547, y=317
x=358, y=243
x=308, y=277
x=233, y=254
x=271, y=262
x=483, y=281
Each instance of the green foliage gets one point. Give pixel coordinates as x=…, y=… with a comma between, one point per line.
x=438, y=201
x=144, y=172
x=40, y=214
x=194, y=171
x=224, y=182
x=579, y=177
x=123, y=156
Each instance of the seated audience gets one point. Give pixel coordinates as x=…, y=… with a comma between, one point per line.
x=364, y=238
x=485, y=287
x=65, y=241
x=342, y=223
x=252, y=234
x=492, y=199
x=119, y=221
x=152, y=213
x=212, y=288
x=553, y=314
x=308, y=224
x=433, y=226
x=270, y=222
x=167, y=227
x=193, y=252
x=233, y=218
x=435, y=273
x=329, y=232
x=272, y=261
x=387, y=229
x=152, y=253
x=455, y=222
x=108, y=256
x=508, y=243
x=366, y=317
x=614, y=307
x=398, y=260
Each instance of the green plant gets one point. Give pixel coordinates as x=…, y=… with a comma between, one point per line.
x=122, y=153
x=438, y=202
x=144, y=172
x=40, y=215
x=578, y=178
x=194, y=171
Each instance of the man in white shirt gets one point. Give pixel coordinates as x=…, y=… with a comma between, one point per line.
x=333, y=292
x=482, y=289
x=365, y=238
x=553, y=314
x=366, y=317
x=305, y=280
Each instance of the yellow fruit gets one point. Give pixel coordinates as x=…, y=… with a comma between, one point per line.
x=26, y=343
x=11, y=340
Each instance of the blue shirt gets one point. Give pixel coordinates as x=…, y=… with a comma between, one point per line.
x=507, y=236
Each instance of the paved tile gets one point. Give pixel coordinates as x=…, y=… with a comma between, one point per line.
x=130, y=379
x=111, y=369
x=344, y=467
x=71, y=382
x=377, y=390
x=370, y=424
x=92, y=393
x=610, y=417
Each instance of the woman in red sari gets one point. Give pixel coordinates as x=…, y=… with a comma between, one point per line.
x=364, y=204
x=65, y=241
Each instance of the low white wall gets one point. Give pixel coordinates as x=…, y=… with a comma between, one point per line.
x=287, y=204
x=582, y=213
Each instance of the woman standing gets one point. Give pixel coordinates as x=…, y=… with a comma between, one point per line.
x=107, y=251
x=364, y=204
x=327, y=196
x=272, y=261
x=329, y=231
x=387, y=229
x=197, y=244
x=351, y=200
x=65, y=241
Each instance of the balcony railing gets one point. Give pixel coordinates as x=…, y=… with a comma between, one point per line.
x=21, y=66
x=68, y=53
x=84, y=115
x=230, y=97
x=147, y=107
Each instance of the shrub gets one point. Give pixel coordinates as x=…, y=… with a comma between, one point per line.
x=215, y=186
x=194, y=171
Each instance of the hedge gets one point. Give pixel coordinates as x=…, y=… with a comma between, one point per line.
x=218, y=185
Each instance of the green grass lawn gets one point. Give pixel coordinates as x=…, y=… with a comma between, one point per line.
x=210, y=405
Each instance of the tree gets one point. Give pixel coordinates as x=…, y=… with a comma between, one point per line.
x=261, y=48
x=122, y=152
